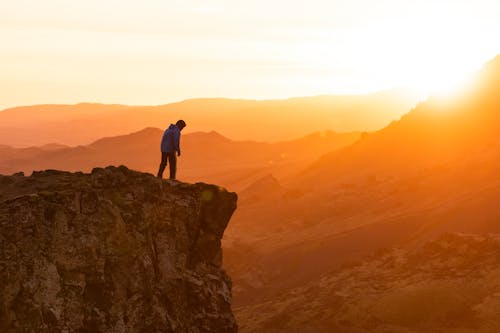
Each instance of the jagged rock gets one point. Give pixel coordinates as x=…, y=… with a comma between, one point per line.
x=112, y=251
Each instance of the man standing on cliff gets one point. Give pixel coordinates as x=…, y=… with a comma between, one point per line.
x=170, y=145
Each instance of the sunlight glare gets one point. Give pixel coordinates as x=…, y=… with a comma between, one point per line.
x=424, y=57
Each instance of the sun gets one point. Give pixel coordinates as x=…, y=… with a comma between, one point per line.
x=430, y=56
x=427, y=56
x=439, y=79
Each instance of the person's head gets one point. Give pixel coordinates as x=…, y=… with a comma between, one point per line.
x=181, y=124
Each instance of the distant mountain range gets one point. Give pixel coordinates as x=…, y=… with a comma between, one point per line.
x=206, y=156
x=266, y=120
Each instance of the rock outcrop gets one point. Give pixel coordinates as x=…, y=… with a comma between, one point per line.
x=112, y=251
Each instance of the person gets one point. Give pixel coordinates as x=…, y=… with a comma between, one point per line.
x=170, y=145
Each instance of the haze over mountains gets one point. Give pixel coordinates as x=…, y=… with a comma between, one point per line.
x=81, y=124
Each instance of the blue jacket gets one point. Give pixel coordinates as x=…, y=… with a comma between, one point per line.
x=171, y=139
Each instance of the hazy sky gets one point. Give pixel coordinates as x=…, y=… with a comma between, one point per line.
x=158, y=51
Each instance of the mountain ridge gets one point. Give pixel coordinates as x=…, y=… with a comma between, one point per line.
x=238, y=119
x=207, y=156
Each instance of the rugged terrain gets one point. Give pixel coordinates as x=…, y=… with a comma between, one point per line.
x=448, y=285
x=112, y=251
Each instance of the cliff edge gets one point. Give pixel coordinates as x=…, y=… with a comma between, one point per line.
x=112, y=251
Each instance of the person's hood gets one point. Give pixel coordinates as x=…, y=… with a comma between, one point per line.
x=173, y=126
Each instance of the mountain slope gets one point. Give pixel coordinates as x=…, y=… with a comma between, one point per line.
x=447, y=285
x=434, y=171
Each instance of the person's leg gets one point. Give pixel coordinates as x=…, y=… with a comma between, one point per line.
x=172, y=159
x=163, y=164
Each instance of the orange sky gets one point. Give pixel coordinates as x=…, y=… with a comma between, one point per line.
x=156, y=51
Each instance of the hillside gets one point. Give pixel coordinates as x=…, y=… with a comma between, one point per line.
x=447, y=285
x=433, y=171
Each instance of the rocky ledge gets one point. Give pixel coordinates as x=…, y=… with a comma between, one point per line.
x=112, y=251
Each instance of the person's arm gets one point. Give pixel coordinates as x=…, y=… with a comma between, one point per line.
x=177, y=142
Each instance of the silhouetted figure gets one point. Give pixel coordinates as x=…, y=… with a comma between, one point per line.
x=170, y=144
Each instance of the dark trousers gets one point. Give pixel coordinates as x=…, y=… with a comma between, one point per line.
x=171, y=158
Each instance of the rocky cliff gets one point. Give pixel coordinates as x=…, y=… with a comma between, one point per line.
x=112, y=251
